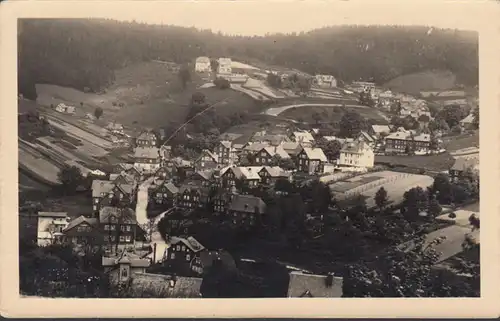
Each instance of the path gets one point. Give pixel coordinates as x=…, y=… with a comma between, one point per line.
x=275, y=111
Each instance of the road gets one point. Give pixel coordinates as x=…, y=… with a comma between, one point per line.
x=275, y=111
x=142, y=219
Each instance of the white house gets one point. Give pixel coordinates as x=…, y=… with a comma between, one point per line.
x=356, y=155
x=50, y=227
x=224, y=66
x=325, y=81
x=202, y=64
x=147, y=158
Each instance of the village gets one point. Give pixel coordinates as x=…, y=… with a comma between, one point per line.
x=163, y=221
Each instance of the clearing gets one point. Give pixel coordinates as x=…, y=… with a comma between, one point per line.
x=433, y=163
x=438, y=80
x=331, y=114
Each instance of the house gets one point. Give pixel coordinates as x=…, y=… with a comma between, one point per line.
x=63, y=108
x=146, y=138
x=147, y=159
x=325, y=81
x=83, y=231
x=191, y=196
x=164, y=172
x=270, y=174
x=304, y=138
x=461, y=165
x=303, y=285
x=165, y=152
x=202, y=64
x=357, y=155
x=122, y=268
x=50, y=227
x=366, y=138
x=225, y=153
x=311, y=160
x=468, y=121
x=248, y=176
x=207, y=160
x=115, y=128
x=224, y=67
x=204, y=178
x=106, y=193
x=164, y=194
x=120, y=228
x=221, y=199
x=185, y=253
x=122, y=178
x=265, y=155
x=291, y=148
x=402, y=141
x=245, y=210
x=379, y=131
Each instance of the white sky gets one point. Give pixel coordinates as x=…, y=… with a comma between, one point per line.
x=258, y=17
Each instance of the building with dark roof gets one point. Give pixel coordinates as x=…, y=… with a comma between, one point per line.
x=246, y=210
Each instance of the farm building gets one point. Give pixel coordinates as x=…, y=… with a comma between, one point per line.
x=63, y=108
x=395, y=183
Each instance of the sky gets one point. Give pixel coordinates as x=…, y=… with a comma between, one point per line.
x=258, y=17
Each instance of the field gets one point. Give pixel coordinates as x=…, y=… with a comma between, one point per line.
x=331, y=114
x=433, y=163
x=437, y=80
x=460, y=142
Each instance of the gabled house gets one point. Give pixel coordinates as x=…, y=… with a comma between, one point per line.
x=124, y=267
x=246, y=210
x=247, y=175
x=356, y=155
x=225, y=153
x=204, y=178
x=311, y=160
x=119, y=179
x=403, y=141
x=120, y=228
x=303, y=285
x=221, y=199
x=50, y=227
x=366, y=138
x=163, y=172
x=202, y=64
x=468, y=121
x=379, y=131
x=147, y=159
x=207, y=160
x=146, y=138
x=83, y=231
x=164, y=194
x=292, y=148
x=115, y=128
x=165, y=152
x=461, y=165
x=184, y=254
x=270, y=174
x=224, y=67
x=104, y=193
x=192, y=196
x=266, y=154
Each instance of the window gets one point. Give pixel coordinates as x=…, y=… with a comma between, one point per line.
x=96, y=200
x=172, y=255
x=128, y=238
x=183, y=248
x=123, y=228
x=129, y=228
x=178, y=247
x=122, y=238
x=188, y=257
x=95, y=207
x=158, y=195
x=165, y=195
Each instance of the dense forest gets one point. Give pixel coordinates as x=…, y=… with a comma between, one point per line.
x=83, y=53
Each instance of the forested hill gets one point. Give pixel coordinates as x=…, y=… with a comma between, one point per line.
x=84, y=53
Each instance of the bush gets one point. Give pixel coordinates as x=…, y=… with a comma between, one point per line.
x=452, y=215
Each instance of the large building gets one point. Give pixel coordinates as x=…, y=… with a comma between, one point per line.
x=403, y=141
x=202, y=64
x=224, y=66
x=147, y=158
x=356, y=155
x=325, y=81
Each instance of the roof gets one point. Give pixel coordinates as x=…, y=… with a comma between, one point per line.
x=53, y=214
x=462, y=163
x=251, y=172
x=209, y=153
x=303, y=137
x=127, y=258
x=190, y=242
x=226, y=143
x=101, y=186
x=202, y=59
x=315, y=154
x=468, y=120
x=291, y=147
x=107, y=212
x=406, y=135
x=276, y=150
x=247, y=203
x=276, y=171
x=169, y=185
x=146, y=152
x=147, y=135
x=229, y=136
x=255, y=147
x=311, y=285
x=206, y=174
x=79, y=220
x=367, y=136
x=355, y=147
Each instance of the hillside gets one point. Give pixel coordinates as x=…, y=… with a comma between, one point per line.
x=348, y=52
x=423, y=81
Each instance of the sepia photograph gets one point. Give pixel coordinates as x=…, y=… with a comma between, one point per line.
x=168, y=160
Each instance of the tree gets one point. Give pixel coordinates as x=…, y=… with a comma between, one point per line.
x=274, y=80
x=381, y=198
x=222, y=83
x=98, y=112
x=434, y=207
x=198, y=98
x=442, y=189
x=71, y=178
x=434, y=142
x=396, y=107
x=351, y=124
x=304, y=84
x=214, y=65
x=453, y=114
x=184, y=76
x=475, y=114
x=415, y=201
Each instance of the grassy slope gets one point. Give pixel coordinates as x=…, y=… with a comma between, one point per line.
x=332, y=114
x=422, y=81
